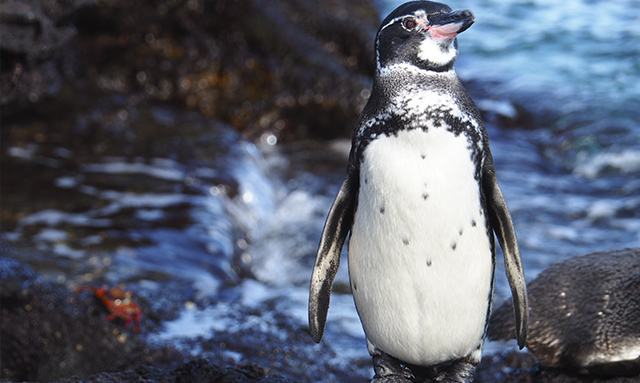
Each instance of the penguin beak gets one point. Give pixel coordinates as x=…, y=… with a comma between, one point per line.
x=446, y=26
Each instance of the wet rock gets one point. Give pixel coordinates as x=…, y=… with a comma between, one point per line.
x=200, y=370
x=521, y=367
x=50, y=333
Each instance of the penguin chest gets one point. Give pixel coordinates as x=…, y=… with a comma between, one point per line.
x=420, y=258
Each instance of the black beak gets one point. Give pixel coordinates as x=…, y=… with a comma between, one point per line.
x=456, y=21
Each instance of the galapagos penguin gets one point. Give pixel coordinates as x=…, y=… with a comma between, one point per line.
x=421, y=202
x=585, y=314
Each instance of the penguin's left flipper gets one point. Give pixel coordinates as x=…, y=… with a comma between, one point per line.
x=336, y=229
x=503, y=227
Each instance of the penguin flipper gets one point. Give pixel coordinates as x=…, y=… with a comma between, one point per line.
x=336, y=229
x=503, y=227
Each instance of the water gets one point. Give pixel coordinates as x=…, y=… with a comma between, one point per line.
x=239, y=222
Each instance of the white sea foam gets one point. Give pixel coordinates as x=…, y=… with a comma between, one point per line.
x=499, y=107
x=66, y=182
x=52, y=217
x=66, y=251
x=290, y=235
x=159, y=170
x=51, y=235
x=625, y=162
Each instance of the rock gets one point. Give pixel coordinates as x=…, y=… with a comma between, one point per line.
x=49, y=333
x=37, y=48
x=584, y=314
x=295, y=69
x=521, y=367
x=196, y=371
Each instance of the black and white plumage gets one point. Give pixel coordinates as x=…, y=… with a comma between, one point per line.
x=421, y=202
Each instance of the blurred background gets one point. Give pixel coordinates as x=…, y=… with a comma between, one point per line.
x=191, y=149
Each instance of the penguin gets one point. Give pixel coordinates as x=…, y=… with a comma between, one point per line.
x=420, y=203
x=585, y=314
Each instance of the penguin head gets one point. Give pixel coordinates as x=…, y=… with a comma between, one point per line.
x=423, y=34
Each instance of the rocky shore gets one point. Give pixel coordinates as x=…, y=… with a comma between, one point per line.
x=50, y=334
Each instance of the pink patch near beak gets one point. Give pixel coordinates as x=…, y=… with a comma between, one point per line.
x=446, y=32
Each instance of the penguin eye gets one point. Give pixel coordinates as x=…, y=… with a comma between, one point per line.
x=409, y=23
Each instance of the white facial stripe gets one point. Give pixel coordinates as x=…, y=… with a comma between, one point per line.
x=419, y=14
x=393, y=21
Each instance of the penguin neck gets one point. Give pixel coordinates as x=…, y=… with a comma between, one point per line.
x=401, y=82
x=404, y=77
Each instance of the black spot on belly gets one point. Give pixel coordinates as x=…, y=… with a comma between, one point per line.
x=425, y=195
x=428, y=263
x=355, y=287
x=423, y=156
x=454, y=245
x=366, y=180
x=382, y=209
x=473, y=223
x=460, y=232
x=405, y=241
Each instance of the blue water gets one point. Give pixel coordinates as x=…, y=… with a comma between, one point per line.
x=571, y=180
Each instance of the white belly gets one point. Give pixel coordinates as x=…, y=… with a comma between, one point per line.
x=420, y=260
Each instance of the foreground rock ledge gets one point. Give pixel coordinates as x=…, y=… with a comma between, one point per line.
x=34, y=310
x=200, y=370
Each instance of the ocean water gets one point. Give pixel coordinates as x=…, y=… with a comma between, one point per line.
x=242, y=229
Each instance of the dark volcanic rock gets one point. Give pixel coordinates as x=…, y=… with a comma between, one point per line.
x=37, y=47
x=192, y=372
x=293, y=68
x=50, y=333
x=521, y=367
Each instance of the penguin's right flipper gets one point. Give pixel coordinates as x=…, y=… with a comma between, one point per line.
x=336, y=229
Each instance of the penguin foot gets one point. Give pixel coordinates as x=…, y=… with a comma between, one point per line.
x=460, y=371
x=389, y=370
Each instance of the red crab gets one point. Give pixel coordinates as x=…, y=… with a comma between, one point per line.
x=119, y=303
